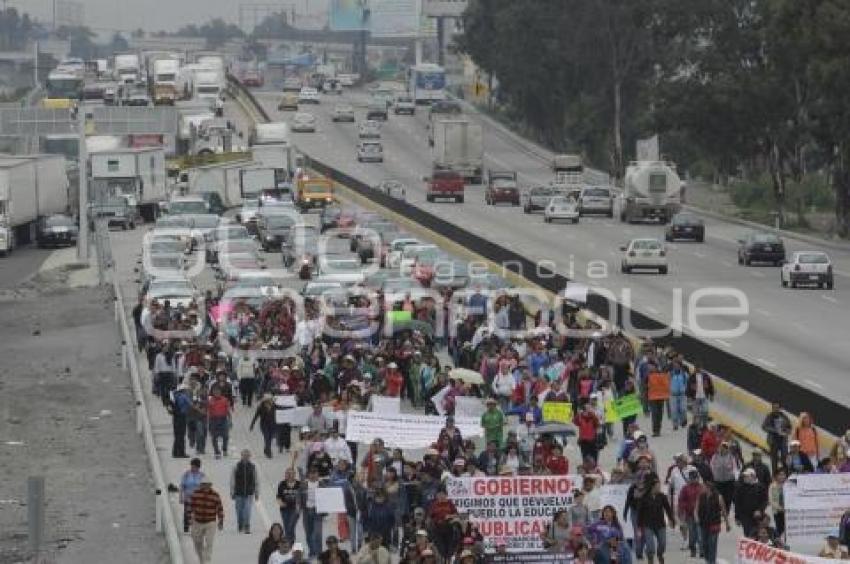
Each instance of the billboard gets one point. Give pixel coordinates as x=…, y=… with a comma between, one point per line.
x=349, y=15
x=444, y=8
x=394, y=18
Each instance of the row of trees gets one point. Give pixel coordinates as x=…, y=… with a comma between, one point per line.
x=747, y=85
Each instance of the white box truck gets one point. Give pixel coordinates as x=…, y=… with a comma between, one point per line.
x=459, y=147
x=136, y=174
x=270, y=146
x=651, y=191
x=31, y=186
x=223, y=179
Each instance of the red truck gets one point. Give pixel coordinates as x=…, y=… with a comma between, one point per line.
x=445, y=184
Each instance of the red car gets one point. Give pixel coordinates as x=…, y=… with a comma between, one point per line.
x=501, y=188
x=445, y=184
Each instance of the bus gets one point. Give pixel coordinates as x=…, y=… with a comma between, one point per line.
x=427, y=83
x=63, y=89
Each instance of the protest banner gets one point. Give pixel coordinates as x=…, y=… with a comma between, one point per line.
x=384, y=404
x=754, y=552
x=286, y=401
x=515, y=509
x=615, y=496
x=627, y=406
x=466, y=406
x=814, y=504
x=399, y=316
x=557, y=412
x=330, y=500
x=400, y=430
x=529, y=558
x=292, y=415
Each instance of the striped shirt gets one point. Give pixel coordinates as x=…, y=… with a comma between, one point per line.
x=206, y=506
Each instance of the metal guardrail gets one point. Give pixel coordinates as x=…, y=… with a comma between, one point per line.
x=744, y=390
x=164, y=515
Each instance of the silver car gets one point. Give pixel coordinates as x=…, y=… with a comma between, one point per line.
x=596, y=200
x=370, y=151
x=304, y=122
x=343, y=112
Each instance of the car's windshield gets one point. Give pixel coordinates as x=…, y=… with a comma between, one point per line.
x=686, y=219
x=597, y=193
x=348, y=265
x=157, y=247
x=59, y=221
x=646, y=245
x=238, y=246
x=813, y=258
x=279, y=221
x=170, y=288
x=765, y=238
x=204, y=221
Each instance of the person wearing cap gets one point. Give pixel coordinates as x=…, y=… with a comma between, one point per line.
x=750, y=498
x=218, y=410
x=762, y=469
x=178, y=404
x=777, y=428
x=651, y=513
x=642, y=450
x=312, y=519
x=393, y=381
x=677, y=478
x=189, y=482
x=797, y=461
x=336, y=447
x=373, y=552
x=686, y=502
x=206, y=510
x=334, y=554
x=295, y=556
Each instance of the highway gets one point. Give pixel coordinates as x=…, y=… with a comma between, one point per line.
x=797, y=334
x=21, y=265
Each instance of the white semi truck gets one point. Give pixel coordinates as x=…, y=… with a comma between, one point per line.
x=136, y=174
x=271, y=147
x=459, y=147
x=127, y=68
x=652, y=191
x=31, y=186
x=167, y=88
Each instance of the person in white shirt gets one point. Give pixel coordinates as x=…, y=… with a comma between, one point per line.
x=677, y=478
x=337, y=448
x=503, y=387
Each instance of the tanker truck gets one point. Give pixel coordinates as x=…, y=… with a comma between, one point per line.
x=652, y=191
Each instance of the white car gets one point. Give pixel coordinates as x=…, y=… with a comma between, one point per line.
x=647, y=254
x=292, y=84
x=808, y=268
x=308, y=95
x=304, y=122
x=370, y=152
x=404, y=105
x=369, y=130
x=343, y=112
x=345, y=271
x=561, y=207
x=396, y=249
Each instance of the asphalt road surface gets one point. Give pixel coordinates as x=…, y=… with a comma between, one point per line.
x=21, y=265
x=798, y=334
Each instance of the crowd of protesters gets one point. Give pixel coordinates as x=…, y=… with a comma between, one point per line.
x=396, y=505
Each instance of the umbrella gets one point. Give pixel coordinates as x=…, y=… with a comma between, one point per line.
x=466, y=375
x=554, y=429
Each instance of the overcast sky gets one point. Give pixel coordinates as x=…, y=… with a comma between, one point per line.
x=154, y=15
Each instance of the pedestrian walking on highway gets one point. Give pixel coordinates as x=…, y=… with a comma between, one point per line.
x=246, y=368
x=334, y=554
x=218, y=412
x=807, y=434
x=288, y=499
x=207, y=510
x=189, y=482
x=711, y=513
x=244, y=490
x=678, y=399
x=271, y=543
x=776, y=499
x=164, y=373
x=700, y=392
x=724, y=468
x=651, y=511
x=777, y=426
x=312, y=518
x=658, y=392
x=179, y=406
x=750, y=499
x=266, y=413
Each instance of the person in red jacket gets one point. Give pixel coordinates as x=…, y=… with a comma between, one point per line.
x=558, y=463
x=393, y=381
x=588, y=424
x=709, y=442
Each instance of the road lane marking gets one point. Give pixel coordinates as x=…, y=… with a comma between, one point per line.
x=699, y=255
x=813, y=383
x=726, y=344
x=727, y=264
x=830, y=299
x=766, y=363
x=652, y=310
x=757, y=274
x=763, y=312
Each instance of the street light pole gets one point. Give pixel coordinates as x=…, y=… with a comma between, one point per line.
x=83, y=236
